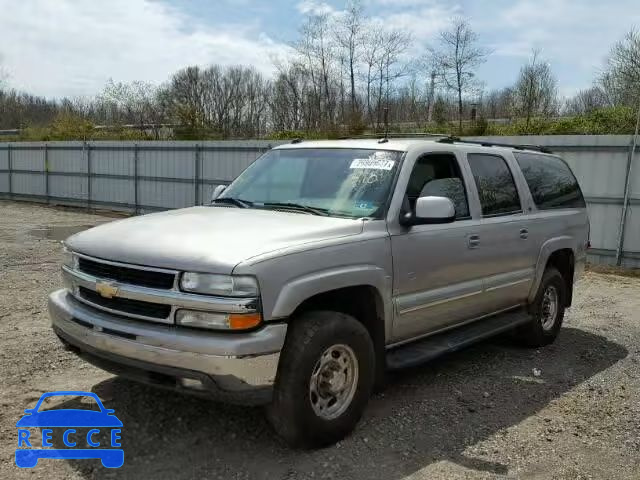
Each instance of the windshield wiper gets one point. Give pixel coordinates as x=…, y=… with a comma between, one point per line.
x=296, y=206
x=236, y=201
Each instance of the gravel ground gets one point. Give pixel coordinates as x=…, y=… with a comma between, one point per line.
x=480, y=413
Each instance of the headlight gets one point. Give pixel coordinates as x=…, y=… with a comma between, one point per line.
x=217, y=321
x=69, y=259
x=225, y=285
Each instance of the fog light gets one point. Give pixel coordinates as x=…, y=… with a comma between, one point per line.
x=192, y=383
x=192, y=318
x=217, y=321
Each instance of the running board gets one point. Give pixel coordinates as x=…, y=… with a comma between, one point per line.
x=455, y=339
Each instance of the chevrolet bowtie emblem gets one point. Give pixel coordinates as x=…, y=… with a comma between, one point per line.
x=107, y=290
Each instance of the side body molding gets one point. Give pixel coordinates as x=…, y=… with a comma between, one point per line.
x=300, y=289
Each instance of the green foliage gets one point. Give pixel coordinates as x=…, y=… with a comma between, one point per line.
x=68, y=126
x=192, y=133
x=612, y=120
x=603, y=121
x=293, y=134
x=356, y=123
x=480, y=128
x=440, y=113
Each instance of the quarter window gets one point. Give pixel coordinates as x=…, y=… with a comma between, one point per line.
x=496, y=187
x=550, y=181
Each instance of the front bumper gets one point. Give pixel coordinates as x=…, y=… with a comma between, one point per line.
x=232, y=367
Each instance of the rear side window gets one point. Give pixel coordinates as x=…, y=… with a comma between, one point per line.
x=496, y=187
x=550, y=181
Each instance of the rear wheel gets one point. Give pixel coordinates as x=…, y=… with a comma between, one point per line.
x=324, y=381
x=547, y=311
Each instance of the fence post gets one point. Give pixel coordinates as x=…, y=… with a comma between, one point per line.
x=87, y=147
x=46, y=171
x=196, y=176
x=627, y=191
x=135, y=179
x=10, y=165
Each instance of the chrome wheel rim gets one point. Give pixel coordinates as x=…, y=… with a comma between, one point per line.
x=549, y=308
x=333, y=382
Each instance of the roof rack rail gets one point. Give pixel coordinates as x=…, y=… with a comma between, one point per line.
x=382, y=135
x=297, y=140
x=485, y=143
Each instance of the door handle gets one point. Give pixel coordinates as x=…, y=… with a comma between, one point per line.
x=473, y=241
x=524, y=233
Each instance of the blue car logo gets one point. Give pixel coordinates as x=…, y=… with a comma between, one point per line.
x=67, y=420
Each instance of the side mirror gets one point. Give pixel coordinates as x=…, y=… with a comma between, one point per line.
x=218, y=191
x=429, y=211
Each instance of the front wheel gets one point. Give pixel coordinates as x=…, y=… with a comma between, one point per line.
x=325, y=378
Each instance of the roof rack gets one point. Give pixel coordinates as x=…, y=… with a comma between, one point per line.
x=396, y=135
x=537, y=148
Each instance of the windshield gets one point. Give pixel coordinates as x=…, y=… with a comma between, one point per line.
x=338, y=182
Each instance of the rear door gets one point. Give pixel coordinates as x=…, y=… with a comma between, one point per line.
x=558, y=208
x=508, y=253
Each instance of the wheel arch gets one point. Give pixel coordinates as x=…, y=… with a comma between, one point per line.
x=560, y=253
x=364, y=301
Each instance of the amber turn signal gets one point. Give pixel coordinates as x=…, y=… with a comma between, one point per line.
x=244, y=322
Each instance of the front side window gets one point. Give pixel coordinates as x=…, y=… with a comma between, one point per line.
x=337, y=182
x=437, y=175
x=550, y=181
x=496, y=187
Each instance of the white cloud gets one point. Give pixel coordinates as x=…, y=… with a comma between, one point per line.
x=315, y=7
x=70, y=47
x=576, y=31
x=423, y=23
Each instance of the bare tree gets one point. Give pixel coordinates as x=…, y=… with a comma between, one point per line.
x=287, y=97
x=535, y=92
x=349, y=36
x=498, y=104
x=457, y=58
x=372, y=55
x=621, y=79
x=390, y=67
x=187, y=90
x=316, y=57
x=586, y=101
x=135, y=103
x=3, y=77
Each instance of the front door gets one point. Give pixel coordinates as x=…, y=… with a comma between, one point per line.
x=438, y=269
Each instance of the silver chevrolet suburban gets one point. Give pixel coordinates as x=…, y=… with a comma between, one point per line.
x=323, y=266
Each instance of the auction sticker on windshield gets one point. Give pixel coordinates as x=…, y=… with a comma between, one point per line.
x=374, y=162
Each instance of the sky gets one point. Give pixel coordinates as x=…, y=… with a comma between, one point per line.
x=57, y=48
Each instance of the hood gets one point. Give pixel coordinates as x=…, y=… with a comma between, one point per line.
x=206, y=239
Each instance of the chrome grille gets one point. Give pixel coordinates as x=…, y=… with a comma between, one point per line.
x=141, y=293
x=125, y=305
x=130, y=275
